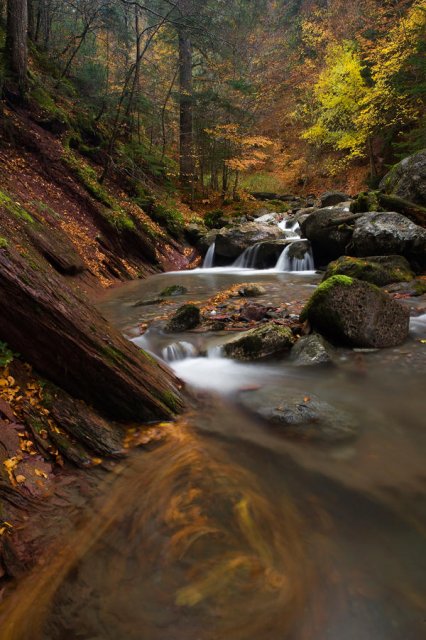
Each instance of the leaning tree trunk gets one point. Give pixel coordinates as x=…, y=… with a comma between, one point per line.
x=17, y=41
x=186, y=112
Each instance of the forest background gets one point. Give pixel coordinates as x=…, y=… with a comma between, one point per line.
x=226, y=95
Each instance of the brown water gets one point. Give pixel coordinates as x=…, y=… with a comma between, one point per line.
x=230, y=531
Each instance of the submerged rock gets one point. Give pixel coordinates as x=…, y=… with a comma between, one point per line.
x=312, y=350
x=356, y=313
x=379, y=270
x=186, y=317
x=388, y=233
x=301, y=416
x=173, y=290
x=263, y=342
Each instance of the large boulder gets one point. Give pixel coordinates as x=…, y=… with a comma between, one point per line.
x=407, y=179
x=265, y=254
x=232, y=242
x=263, y=342
x=379, y=270
x=357, y=314
x=331, y=198
x=380, y=234
x=329, y=232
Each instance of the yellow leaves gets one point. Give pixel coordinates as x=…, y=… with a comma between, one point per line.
x=40, y=474
x=10, y=465
x=5, y=527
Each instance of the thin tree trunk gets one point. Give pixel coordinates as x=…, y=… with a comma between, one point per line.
x=31, y=21
x=186, y=159
x=163, y=114
x=17, y=41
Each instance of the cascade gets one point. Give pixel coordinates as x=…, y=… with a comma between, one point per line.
x=287, y=263
x=209, y=259
x=248, y=258
x=178, y=351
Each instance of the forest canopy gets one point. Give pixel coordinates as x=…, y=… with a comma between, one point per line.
x=227, y=94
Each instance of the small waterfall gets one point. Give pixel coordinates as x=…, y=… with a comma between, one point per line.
x=179, y=351
x=288, y=263
x=248, y=259
x=290, y=228
x=209, y=259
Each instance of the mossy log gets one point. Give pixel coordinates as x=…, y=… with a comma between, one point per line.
x=73, y=346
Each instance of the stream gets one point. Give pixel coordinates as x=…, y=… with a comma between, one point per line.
x=232, y=531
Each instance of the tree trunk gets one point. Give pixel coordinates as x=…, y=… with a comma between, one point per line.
x=70, y=343
x=186, y=115
x=17, y=41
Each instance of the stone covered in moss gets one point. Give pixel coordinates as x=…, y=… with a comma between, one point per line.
x=379, y=270
x=260, y=343
x=356, y=313
x=186, y=317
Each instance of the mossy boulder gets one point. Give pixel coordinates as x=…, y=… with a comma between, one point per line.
x=379, y=270
x=407, y=179
x=356, y=313
x=186, y=318
x=365, y=202
x=260, y=343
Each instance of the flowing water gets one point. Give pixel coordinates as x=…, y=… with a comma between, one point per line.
x=230, y=530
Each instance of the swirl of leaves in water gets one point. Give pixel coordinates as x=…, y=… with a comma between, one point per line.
x=184, y=546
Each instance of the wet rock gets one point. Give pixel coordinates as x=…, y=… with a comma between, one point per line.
x=173, y=290
x=389, y=233
x=331, y=198
x=253, y=311
x=329, y=231
x=232, y=242
x=299, y=249
x=407, y=179
x=263, y=342
x=252, y=290
x=302, y=416
x=267, y=253
x=186, y=318
x=379, y=270
x=312, y=350
x=356, y=313
x=148, y=302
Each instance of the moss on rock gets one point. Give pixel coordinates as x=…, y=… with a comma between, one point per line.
x=260, y=343
x=186, y=317
x=380, y=270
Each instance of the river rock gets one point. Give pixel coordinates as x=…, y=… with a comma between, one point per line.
x=379, y=270
x=356, y=313
x=331, y=198
x=266, y=254
x=389, y=233
x=312, y=350
x=185, y=318
x=407, y=179
x=302, y=416
x=173, y=291
x=328, y=232
x=251, y=290
x=260, y=343
x=232, y=242
x=253, y=312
